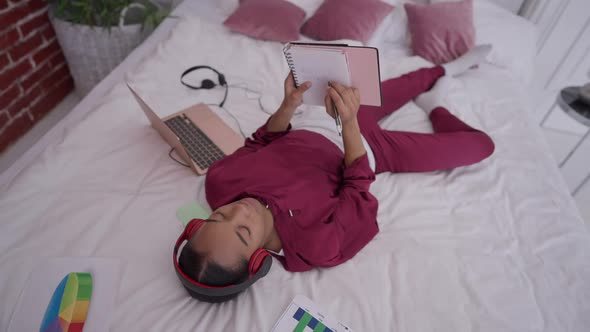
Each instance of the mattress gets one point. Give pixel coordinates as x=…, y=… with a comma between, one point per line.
x=496, y=246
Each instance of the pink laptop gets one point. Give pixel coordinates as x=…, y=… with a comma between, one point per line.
x=197, y=134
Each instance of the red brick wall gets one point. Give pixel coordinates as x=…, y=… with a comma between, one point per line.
x=34, y=76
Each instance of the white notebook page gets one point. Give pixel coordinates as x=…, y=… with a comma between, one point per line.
x=319, y=66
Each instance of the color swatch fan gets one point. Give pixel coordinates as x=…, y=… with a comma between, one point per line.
x=68, y=306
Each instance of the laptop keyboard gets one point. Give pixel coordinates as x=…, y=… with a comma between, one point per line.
x=199, y=147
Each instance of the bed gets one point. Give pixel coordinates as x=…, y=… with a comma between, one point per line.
x=497, y=246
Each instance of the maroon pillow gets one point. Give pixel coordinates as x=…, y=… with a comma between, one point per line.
x=346, y=19
x=276, y=20
x=443, y=31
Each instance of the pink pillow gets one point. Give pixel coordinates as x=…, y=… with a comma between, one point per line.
x=276, y=20
x=346, y=19
x=443, y=31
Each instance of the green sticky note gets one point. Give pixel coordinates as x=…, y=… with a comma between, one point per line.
x=190, y=211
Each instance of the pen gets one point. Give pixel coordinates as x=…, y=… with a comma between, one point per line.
x=338, y=120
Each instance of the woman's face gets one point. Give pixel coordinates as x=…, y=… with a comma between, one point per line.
x=232, y=231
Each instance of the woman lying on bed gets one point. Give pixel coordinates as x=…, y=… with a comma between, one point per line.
x=304, y=194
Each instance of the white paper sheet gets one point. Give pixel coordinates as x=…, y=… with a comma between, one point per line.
x=302, y=314
x=319, y=66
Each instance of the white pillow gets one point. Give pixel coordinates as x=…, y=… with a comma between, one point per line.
x=511, y=5
x=396, y=30
x=513, y=38
x=227, y=6
x=309, y=6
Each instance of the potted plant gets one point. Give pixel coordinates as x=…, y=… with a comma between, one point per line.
x=96, y=35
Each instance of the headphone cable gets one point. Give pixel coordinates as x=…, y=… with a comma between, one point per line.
x=224, y=96
x=176, y=160
x=220, y=105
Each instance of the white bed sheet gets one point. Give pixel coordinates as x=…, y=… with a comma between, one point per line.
x=497, y=246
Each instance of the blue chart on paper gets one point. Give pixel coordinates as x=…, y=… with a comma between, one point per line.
x=305, y=319
x=303, y=315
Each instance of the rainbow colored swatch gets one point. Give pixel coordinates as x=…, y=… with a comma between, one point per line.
x=68, y=306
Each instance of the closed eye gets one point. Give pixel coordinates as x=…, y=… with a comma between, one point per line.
x=219, y=214
x=247, y=230
x=240, y=235
x=216, y=214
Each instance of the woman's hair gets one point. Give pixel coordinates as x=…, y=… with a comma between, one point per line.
x=198, y=267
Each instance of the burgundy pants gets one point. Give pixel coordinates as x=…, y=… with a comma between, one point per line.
x=452, y=144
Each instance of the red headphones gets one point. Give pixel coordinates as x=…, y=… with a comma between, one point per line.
x=258, y=267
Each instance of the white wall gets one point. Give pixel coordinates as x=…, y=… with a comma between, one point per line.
x=563, y=60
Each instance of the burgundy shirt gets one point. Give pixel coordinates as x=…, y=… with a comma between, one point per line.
x=323, y=212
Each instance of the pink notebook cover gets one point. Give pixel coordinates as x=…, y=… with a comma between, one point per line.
x=363, y=65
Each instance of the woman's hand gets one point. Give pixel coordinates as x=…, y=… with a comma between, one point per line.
x=293, y=98
x=346, y=99
x=293, y=95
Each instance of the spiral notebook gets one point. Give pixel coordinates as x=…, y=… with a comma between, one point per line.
x=354, y=66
